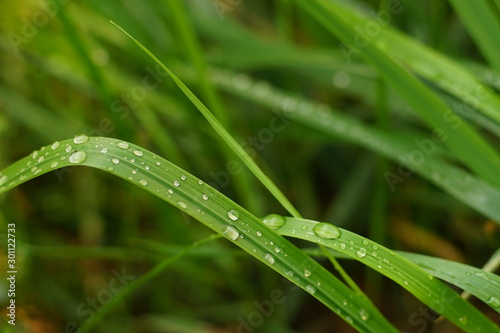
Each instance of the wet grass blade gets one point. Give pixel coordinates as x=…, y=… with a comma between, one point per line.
x=465, y=143
x=194, y=197
x=402, y=271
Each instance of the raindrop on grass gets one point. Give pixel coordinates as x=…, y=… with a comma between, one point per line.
x=115, y=161
x=176, y=183
x=55, y=145
x=364, y=315
x=170, y=191
x=158, y=163
x=310, y=289
x=143, y=182
x=259, y=234
x=82, y=138
x=233, y=215
x=123, y=145
x=361, y=252
x=68, y=149
x=3, y=180
x=493, y=302
x=77, y=157
x=463, y=320
x=326, y=231
x=54, y=165
x=274, y=221
x=104, y=150
x=269, y=258
x=307, y=273
x=204, y=196
x=182, y=204
x=34, y=154
x=138, y=152
x=231, y=232
x=183, y=177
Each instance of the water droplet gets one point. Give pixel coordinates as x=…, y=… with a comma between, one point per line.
x=40, y=159
x=405, y=282
x=365, y=242
x=269, y=258
x=158, y=163
x=233, y=215
x=182, y=204
x=81, y=138
x=274, y=221
x=54, y=165
x=170, y=191
x=493, y=302
x=138, y=152
x=176, y=183
x=200, y=182
x=326, y=231
x=259, y=234
x=132, y=160
x=204, y=196
x=34, y=154
x=231, y=232
x=77, y=157
x=134, y=171
x=68, y=149
x=463, y=320
x=307, y=273
x=310, y=289
x=430, y=277
x=375, y=246
x=361, y=252
x=183, y=177
x=364, y=315
x=123, y=145
x=115, y=161
x=277, y=250
x=342, y=246
x=55, y=145
x=143, y=182
x=104, y=150
x=3, y=180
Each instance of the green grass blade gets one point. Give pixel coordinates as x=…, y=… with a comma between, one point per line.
x=467, y=145
x=482, y=23
x=194, y=197
x=402, y=271
x=460, y=184
x=226, y=137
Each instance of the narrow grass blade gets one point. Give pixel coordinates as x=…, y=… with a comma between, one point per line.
x=484, y=26
x=226, y=137
x=194, y=197
x=402, y=271
x=467, y=145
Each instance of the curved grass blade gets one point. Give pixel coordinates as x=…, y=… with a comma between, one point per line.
x=191, y=195
x=465, y=143
x=460, y=184
x=421, y=284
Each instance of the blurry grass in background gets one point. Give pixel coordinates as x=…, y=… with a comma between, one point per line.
x=66, y=70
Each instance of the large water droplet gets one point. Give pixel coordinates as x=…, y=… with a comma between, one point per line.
x=493, y=302
x=123, y=145
x=231, y=232
x=274, y=221
x=115, y=161
x=55, y=145
x=182, y=204
x=138, y=152
x=77, y=157
x=81, y=138
x=326, y=231
x=361, y=252
x=269, y=258
x=233, y=215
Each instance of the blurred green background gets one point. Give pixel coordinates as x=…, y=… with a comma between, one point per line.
x=66, y=70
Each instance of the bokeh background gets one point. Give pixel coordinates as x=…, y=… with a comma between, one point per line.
x=65, y=70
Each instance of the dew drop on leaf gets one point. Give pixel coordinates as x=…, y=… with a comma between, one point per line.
x=231, y=232
x=77, y=157
x=181, y=204
x=326, y=231
x=204, y=196
x=143, y=182
x=55, y=145
x=81, y=138
x=176, y=183
x=104, y=150
x=364, y=315
x=274, y=221
x=269, y=258
x=310, y=289
x=493, y=302
x=138, y=152
x=123, y=145
x=361, y=252
x=307, y=273
x=115, y=161
x=233, y=215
